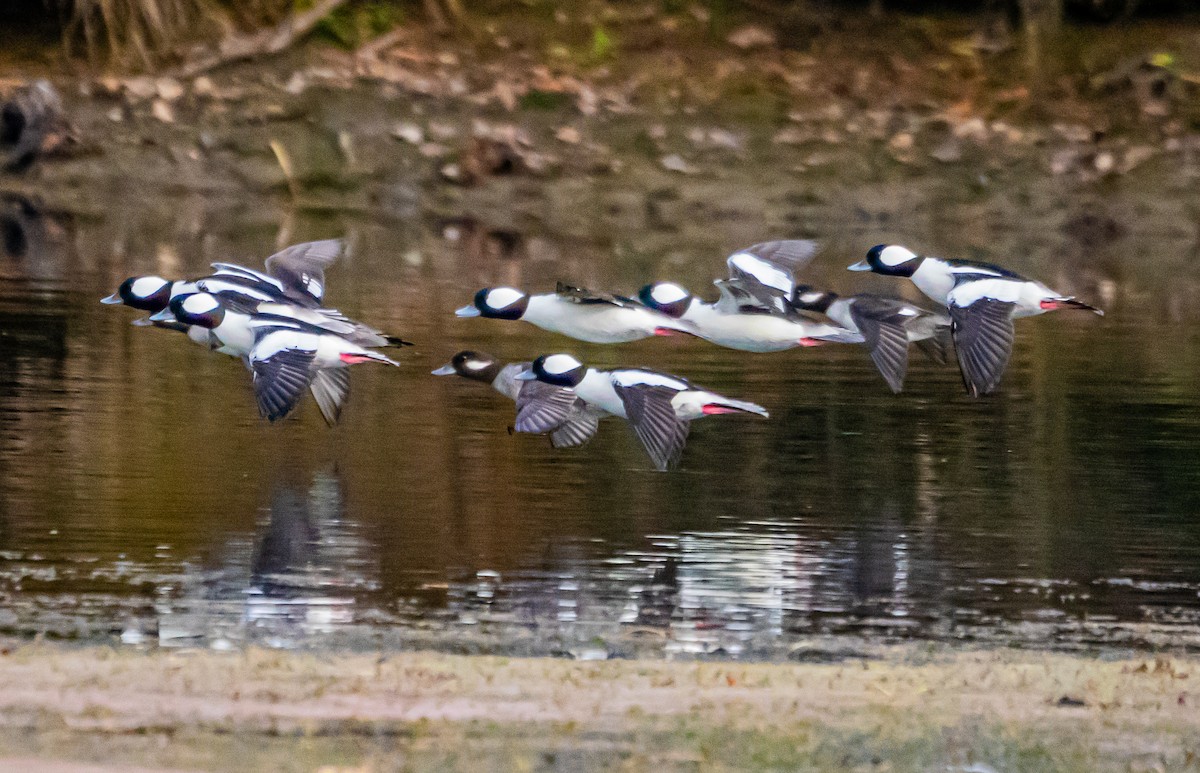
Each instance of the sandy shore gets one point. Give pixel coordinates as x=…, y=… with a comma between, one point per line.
x=71, y=709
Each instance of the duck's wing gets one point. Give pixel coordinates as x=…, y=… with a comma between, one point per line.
x=584, y=296
x=330, y=387
x=300, y=269
x=543, y=407
x=576, y=430
x=983, y=336
x=772, y=264
x=663, y=434
x=281, y=362
x=881, y=322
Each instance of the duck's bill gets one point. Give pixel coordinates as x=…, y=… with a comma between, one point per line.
x=526, y=375
x=166, y=315
x=861, y=265
x=112, y=300
x=445, y=370
x=467, y=311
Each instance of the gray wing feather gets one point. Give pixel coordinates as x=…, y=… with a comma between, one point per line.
x=330, y=387
x=280, y=381
x=883, y=332
x=983, y=338
x=582, y=295
x=576, y=431
x=301, y=268
x=543, y=407
x=663, y=434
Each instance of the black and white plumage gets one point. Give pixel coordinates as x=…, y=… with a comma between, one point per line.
x=541, y=408
x=288, y=357
x=983, y=300
x=600, y=318
x=660, y=407
x=887, y=325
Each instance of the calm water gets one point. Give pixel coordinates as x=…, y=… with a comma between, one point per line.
x=142, y=499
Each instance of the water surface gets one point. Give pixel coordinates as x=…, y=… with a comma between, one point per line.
x=142, y=499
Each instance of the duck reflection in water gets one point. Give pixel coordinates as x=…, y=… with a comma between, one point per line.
x=308, y=561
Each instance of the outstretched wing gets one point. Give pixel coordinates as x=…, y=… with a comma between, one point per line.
x=282, y=368
x=575, y=431
x=581, y=295
x=663, y=434
x=300, y=269
x=983, y=338
x=772, y=264
x=881, y=322
x=542, y=407
x=330, y=387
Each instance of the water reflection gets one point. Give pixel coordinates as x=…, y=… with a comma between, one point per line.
x=141, y=497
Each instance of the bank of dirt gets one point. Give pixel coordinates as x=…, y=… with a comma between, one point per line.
x=905, y=708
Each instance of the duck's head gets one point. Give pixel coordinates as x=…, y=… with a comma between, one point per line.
x=202, y=309
x=666, y=297
x=557, y=369
x=477, y=366
x=148, y=293
x=496, y=303
x=808, y=298
x=889, y=260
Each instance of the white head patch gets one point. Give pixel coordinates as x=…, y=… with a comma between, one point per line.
x=557, y=364
x=811, y=297
x=668, y=292
x=894, y=255
x=503, y=297
x=477, y=364
x=200, y=303
x=145, y=286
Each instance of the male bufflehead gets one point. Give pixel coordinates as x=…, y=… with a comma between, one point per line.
x=888, y=325
x=279, y=350
x=542, y=408
x=658, y=405
x=983, y=300
x=599, y=318
x=739, y=321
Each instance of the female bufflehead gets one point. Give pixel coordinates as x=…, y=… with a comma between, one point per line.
x=543, y=408
x=983, y=300
x=887, y=324
x=659, y=406
x=599, y=318
x=740, y=321
x=266, y=342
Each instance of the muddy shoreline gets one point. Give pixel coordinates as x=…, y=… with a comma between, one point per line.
x=900, y=708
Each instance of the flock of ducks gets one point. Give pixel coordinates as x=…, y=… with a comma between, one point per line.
x=276, y=322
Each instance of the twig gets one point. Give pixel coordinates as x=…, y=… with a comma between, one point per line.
x=241, y=47
x=376, y=46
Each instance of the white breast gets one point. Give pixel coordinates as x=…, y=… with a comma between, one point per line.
x=597, y=389
x=934, y=278
x=599, y=323
x=747, y=332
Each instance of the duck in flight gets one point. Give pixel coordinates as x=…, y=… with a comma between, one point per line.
x=983, y=300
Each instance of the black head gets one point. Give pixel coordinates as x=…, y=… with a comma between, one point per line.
x=477, y=366
x=148, y=293
x=198, y=309
x=559, y=369
x=496, y=303
x=666, y=297
x=808, y=298
x=890, y=260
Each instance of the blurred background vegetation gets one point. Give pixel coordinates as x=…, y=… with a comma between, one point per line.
x=146, y=34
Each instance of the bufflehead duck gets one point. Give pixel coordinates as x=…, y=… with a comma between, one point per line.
x=243, y=335
x=658, y=405
x=983, y=300
x=543, y=408
x=599, y=318
x=768, y=270
x=888, y=325
x=738, y=320
x=294, y=275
